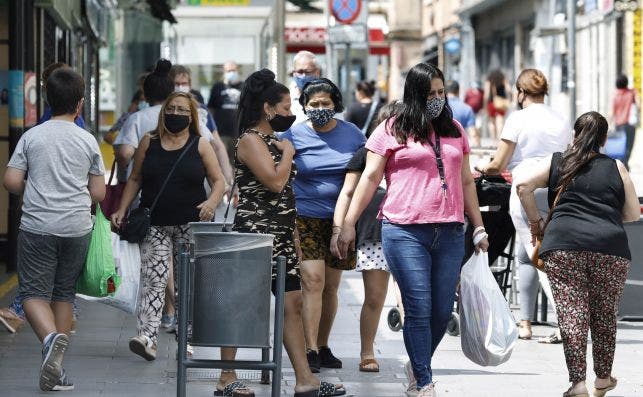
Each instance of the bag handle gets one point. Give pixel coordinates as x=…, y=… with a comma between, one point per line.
x=167, y=179
x=371, y=113
x=111, y=173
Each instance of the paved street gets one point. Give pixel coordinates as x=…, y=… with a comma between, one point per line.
x=100, y=363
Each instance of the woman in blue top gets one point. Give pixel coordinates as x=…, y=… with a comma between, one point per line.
x=323, y=148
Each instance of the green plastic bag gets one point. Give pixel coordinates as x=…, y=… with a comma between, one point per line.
x=99, y=277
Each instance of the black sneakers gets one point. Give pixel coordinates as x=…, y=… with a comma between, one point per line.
x=327, y=359
x=313, y=361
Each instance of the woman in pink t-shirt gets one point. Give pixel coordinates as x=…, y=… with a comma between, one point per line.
x=423, y=153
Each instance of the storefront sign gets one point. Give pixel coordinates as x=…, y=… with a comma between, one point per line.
x=345, y=11
x=31, y=99
x=636, y=56
x=218, y=3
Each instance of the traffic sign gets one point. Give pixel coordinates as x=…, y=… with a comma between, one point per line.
x=345, y=11
x=351, y=34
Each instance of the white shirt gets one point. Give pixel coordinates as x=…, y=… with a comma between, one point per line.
x=538, y=131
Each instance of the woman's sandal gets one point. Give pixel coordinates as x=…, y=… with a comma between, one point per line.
x=600, y=391
x=568, y=393
x=232, y=389
x=369, y=365
x=325, y=390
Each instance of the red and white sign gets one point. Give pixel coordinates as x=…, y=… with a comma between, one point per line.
x=345, y=11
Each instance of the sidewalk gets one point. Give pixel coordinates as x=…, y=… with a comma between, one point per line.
x=100, y=363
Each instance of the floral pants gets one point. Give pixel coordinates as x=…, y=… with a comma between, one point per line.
x=587, y=288
x=159, y=248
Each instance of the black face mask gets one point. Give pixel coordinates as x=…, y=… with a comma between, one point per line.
x=176, y=123
x=281, y=123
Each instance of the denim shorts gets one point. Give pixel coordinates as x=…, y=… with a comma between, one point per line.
x=48, y=266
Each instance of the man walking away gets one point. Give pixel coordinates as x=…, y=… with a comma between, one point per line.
x=223, y=103
x=462, y=112
x=59, y=169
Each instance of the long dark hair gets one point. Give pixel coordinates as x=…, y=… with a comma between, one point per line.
x=590, y=132
x=157, y=85
x=411, y=118
x=259, y=88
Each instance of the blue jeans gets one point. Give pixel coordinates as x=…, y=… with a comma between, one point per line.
x=425, y=260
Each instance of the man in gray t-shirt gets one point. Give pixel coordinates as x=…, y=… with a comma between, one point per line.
x=58, y=168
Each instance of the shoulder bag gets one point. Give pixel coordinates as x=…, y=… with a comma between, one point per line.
x=138, y=221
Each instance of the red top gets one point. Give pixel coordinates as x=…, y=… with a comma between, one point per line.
x=623, y=99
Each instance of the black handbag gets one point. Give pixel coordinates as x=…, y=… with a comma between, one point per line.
x=139, y=220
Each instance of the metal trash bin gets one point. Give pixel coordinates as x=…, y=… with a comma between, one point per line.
x=232, y=280
x=227, y=316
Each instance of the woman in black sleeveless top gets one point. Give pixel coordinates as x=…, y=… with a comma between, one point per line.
x=264, y=174
x=183, y=200
x=585, y=247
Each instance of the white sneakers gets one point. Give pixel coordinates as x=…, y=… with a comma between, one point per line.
x=411, y=390
x=143, y=346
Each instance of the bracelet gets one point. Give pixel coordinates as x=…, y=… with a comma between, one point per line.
x=536, y=222
x=336, y=227
x=477, y=229
x=479, y=237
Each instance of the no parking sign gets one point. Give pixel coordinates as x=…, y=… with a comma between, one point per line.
x=345, y=11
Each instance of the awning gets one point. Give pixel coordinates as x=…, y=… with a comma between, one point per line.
x=313, y=39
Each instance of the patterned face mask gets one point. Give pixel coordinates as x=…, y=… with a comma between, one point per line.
x=434, y=107
x=320, y=117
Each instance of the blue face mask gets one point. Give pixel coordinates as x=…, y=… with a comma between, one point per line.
x=143, y=105
x=320, y=117
x=302, y=80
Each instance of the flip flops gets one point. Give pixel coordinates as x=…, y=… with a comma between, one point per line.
x=600, y=391
x=232, y=389
x=325, y=390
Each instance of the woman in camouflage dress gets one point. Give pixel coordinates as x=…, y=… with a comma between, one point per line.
x=264, y=173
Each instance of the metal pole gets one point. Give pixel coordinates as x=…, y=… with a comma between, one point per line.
x=347, y=75
x=280, y=21
x=571, y=58
x=184, y=283
x=330, y=70
x=17, y=47
x=279, y=325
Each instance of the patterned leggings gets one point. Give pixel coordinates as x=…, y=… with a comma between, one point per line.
x=587, y=288
x=155, y=264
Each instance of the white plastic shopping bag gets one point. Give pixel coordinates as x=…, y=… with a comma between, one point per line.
x=127, y=258
x=488, y=329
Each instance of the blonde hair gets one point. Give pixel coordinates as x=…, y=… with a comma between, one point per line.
x=193, y=128
x=532, y=82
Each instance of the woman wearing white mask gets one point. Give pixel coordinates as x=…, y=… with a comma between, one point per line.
x=323, y=148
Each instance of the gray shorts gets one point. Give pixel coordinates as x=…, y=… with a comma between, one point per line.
x=48, y=266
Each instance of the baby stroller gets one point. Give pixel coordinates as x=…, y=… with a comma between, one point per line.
x=493, y=197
